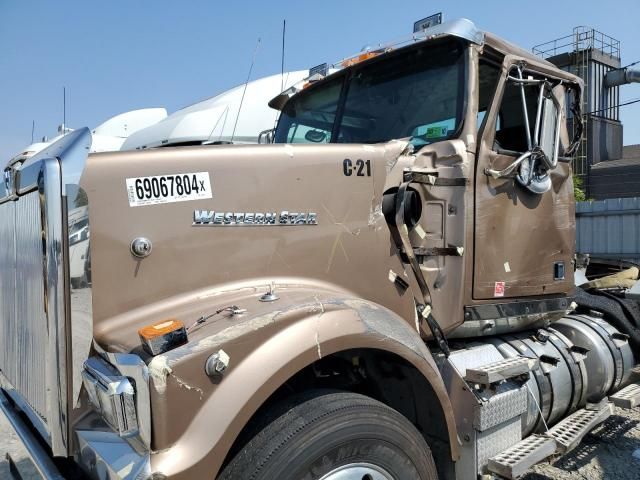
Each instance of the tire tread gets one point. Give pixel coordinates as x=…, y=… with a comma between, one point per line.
x=300, y=413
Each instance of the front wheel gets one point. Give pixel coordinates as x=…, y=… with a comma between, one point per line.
x=329, y=435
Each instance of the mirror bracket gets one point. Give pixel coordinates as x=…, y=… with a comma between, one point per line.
x=266, y=136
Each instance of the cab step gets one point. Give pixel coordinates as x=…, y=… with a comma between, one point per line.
x=562, y=438
x=627, y=398
x=570, y=431
x=501, y=370
x=517, y=460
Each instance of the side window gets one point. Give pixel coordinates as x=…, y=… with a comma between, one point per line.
x=489, y=73
x=511, y=132
x=310, y=117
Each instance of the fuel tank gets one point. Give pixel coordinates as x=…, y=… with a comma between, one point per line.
x=581, y=359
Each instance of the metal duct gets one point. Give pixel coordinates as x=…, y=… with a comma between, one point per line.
x=621, y=76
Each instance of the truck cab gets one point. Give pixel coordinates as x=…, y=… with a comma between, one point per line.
x=470, y=108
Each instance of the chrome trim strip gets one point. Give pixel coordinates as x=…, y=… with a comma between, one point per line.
x=37, y=453
x=49, y=187
x=72, y=150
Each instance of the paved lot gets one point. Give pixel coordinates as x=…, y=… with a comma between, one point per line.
x=611, y=451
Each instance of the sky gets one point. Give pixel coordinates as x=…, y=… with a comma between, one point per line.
x=119, y=55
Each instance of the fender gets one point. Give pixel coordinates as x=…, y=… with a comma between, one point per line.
x=265, y=351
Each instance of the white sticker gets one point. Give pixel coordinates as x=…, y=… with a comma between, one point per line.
x=179, y=187
x=420, y=231
x=392, y=276
x=507, y=267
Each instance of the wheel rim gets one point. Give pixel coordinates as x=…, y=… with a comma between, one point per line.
x=358, y=471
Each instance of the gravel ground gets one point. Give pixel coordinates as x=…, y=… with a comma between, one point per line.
x=9, y=444
x=611, y=451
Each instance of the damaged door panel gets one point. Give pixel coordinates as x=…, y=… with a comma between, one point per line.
x=519, y=235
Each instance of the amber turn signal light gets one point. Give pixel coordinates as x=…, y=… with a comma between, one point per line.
x=163, y=336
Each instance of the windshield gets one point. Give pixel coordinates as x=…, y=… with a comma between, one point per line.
x=415, y=92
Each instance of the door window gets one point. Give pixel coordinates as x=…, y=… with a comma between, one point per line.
x=489, y=73
x=511, y=132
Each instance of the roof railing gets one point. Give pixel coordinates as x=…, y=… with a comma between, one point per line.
x=582, y=38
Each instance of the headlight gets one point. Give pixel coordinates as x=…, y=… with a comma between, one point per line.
x=112, y=395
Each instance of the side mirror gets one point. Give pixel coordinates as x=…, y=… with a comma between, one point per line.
x=315, y=136
x=266, y=136
x=543, y=150
x=532, y=167
x=547, y=129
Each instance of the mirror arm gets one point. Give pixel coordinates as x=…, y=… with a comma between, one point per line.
x=508, y=170
x=268, y=134
x=509, y=153
x=524, y=106
x=525, y=81
x=536, y=130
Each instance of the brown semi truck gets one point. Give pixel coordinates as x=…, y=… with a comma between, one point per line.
x=384, y=292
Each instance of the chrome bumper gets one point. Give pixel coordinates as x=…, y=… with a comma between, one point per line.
x=104, y=455
x=39, y=456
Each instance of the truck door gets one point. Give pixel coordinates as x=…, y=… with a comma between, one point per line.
x=523, y=241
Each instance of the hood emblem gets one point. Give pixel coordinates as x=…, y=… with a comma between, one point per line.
x=211, y=218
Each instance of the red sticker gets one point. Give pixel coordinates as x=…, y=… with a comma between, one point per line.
x=498, y=290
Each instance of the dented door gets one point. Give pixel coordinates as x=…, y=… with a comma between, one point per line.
x=524, y=242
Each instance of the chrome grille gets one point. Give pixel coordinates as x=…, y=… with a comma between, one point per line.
x=43, y=338
x=24, y=333
x=7, y=288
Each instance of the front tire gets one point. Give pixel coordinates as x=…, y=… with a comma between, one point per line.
x=329, y=435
